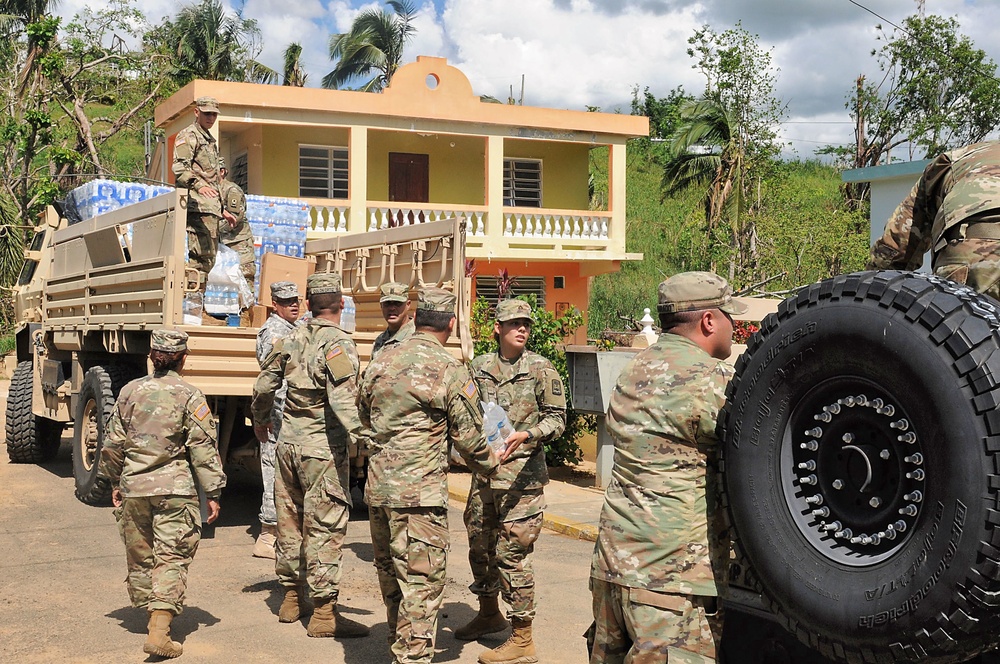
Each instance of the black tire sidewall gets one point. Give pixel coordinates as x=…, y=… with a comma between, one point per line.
x=871, y=606
x=92, y=389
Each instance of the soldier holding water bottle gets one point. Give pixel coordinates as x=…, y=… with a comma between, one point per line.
x=503, y=514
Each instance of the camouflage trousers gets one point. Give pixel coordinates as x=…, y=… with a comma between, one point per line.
x=311, y=523
x=161, y=535
x=411, y=551
x=203, y=243
x=240, y=240
x=268, y=515
x=639, y=626
x=502, y=527
x=973, y=262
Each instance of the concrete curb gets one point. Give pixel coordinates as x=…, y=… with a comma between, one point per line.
x=561, y=525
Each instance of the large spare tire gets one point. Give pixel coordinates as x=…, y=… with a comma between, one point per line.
x=30, y=439
x=861, y=467
x=100, y=388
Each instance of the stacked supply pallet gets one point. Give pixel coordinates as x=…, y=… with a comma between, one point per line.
x=100, y=196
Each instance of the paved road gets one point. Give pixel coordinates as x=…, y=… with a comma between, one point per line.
x=63, y=598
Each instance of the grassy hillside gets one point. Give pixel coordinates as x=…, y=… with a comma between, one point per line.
x=803, y=230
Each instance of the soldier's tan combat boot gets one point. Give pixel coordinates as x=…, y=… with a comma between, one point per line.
x=264, y=546
x=326, y=622
x=158, y=642
x=292, y=607
x=488, y=621
x=519, y=648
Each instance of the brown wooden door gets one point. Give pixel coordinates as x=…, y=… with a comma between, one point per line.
x=409, y=182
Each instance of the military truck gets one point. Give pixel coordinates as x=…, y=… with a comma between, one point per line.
x=90, y=294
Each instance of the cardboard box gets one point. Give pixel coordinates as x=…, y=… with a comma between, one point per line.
x=275, y=267
x=258, y=314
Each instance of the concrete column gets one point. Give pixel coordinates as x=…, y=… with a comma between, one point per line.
x=357, y=159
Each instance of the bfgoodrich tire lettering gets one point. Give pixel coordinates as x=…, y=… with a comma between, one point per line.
x=861, y=437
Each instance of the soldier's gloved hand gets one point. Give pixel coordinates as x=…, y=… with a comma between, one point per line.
x=116, y=497
x=513, y=442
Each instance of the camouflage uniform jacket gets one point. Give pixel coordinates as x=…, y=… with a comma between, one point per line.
x=320, y=364
x=234, y=200
x=535, y=401
x=414, y=402
x=654, y=529
x=274, y=328
x=161, y=440
x=387, y=339
x=196, y=165
x=954, y=187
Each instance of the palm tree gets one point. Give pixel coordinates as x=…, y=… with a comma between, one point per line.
x=293, y=67
x=707, y=148
x=375, y=42
x=210, y=44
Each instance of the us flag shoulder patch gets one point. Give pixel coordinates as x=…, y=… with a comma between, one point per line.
x=202, y=412
x=470, y=389
x=334, y=352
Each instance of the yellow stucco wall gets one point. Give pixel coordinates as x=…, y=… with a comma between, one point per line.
x=280, y=172
x=457, y=164
x=564, y=170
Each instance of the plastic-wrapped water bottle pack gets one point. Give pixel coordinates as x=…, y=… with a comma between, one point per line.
x=100, y=196
x=279, y=226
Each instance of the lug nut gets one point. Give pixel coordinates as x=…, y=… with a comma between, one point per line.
x=823, y=417
x=844, y=534
x=915, y=459
x=888, y=411
x=821, y=512
x=811, y=445
x=909, y=510
x=847, y=401
x=809, y=479
x=917, y=475
x=884, y=454
x=889, y=534
x=838, y=485
x=808, y=465
x=855, y=540
x=908, y=437
x=832, y=526
x=848, y=438
x=902, y=425
x=914, y=496
x=815, y=432
x=875, y=502
x=900, y=526
x=814, y=500
x=832, y=408
x=866, y=540
x=876, y=403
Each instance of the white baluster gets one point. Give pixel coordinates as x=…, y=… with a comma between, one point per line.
x=586, y=227
x=372, y=220
x=550, y=224
x=519, y=226
x=508, y=226
x=604, y=228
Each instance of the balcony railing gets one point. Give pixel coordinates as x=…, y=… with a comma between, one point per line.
x=556, y=224
x=382, y=215
x=329, y=215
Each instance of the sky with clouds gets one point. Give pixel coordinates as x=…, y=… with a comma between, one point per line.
x=579, y=53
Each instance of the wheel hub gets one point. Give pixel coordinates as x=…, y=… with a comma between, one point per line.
x=852, y=472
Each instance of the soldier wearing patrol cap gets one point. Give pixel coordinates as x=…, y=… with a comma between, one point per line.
x=285, y=300
x=395, y=304
x=160, y=447
x=662, y=547
x=235, y=231
x=319, y=363
x=503, y=514
x=196, y=168
x=415, y=402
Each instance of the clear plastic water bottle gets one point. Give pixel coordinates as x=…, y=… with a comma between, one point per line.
x=348, y=316
x=496, y=425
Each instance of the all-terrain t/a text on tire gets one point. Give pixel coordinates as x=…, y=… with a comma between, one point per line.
x=861, y=439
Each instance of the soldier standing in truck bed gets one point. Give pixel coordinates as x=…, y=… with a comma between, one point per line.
x=953, y=211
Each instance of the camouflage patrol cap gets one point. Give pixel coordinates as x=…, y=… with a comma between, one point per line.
x=222, y=163
x=696, y=291
x=169, y=341
x=284, y=290
x=393, y=292
x=322, y=282
x=512, y=310
x=436, y=299
x=207, y=104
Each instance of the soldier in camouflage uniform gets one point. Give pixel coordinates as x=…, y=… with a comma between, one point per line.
x=311, y=493
x=660, y=555
x=160, y=449
x=503, y=514
x=196, y=168
x=414, y=403
x=285, y=297
x=395, y=304
x=953, y=211
x=235, y=232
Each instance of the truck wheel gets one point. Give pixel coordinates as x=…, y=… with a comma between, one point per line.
x=30, y=439
x=97, y=399
x=861, y=465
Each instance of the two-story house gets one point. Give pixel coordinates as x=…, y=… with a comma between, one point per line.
x=429, y=148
